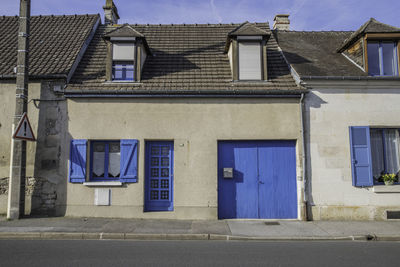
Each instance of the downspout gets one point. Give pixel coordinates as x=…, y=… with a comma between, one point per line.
x=304, y=159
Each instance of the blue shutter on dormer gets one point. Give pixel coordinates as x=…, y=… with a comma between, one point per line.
x=77, y=161
x=361, y=163
x=128, y=161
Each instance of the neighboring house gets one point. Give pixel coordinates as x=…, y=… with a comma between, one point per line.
x=351, y=121
x=56, y=46
x=185, y=122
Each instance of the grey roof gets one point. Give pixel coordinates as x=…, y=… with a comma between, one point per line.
x=314, y=53
x=185, y=59
x=124, y=31
x=371, y=26
x=248, y=28
x=54, y=44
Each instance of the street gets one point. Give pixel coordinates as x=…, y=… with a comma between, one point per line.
x=196, y=253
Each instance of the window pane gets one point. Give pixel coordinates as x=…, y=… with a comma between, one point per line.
x=392, y=150
x=114, y=158
x=98, y=159
x=389, y=59
x=359, y=137
x=129, y=75
x=118, y=74
x=373, y=58
x=377, y=153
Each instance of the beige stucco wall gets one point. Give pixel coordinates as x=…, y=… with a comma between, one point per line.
x=45, y=184
x=195, y=126
x=329, y=113
x=7, y=109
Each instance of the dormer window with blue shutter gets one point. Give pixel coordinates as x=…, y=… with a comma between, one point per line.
x=123, y=62
x=127, y=51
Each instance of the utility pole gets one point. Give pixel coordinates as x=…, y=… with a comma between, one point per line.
x=16, y=191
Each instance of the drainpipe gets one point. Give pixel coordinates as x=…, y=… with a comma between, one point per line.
x=304, y=159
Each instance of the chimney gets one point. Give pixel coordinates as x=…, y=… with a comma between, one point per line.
x=110, y=13
x=281, y=22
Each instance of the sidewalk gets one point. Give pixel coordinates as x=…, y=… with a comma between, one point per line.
x=146, y=229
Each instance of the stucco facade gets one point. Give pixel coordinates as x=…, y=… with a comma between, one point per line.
x=43, y=172
x=195, y=125
x=330, y=111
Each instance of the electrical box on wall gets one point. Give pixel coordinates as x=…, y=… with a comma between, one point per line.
x=57, y=88
x=102, y=197
x=228, y=173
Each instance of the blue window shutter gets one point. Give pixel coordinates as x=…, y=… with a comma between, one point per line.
x=361, y=163
x=77, y=161
x=128, y=161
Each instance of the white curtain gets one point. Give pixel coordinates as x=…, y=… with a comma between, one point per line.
x=377, y=153
x=392, y=150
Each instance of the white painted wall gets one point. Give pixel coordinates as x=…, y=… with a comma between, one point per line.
x=329, y=113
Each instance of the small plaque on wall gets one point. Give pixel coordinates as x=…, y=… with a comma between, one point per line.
x=102, y=197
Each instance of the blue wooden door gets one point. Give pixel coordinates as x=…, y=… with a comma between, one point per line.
x=263, y=183
x=159, y=176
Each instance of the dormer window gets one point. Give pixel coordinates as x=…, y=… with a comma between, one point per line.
x=127, y=51
x=247, y=52
x=250, y=63
x=123, y=62
x=382, y=58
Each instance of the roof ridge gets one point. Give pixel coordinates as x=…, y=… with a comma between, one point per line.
x=322, y=31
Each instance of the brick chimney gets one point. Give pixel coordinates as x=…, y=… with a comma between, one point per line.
x=281, y=22
x=110, y=13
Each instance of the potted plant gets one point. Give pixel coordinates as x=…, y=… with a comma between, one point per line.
x=389, y=178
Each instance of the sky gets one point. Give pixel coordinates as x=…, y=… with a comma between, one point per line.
x=310, y=15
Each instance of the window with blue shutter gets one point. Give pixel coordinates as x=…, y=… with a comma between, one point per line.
x=361, y=156
x=129, y=161
x=112, y=160
x=77, y=163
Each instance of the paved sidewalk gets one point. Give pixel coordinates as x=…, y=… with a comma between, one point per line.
x=104, y=228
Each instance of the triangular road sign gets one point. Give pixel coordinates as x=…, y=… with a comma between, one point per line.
x=24, y=130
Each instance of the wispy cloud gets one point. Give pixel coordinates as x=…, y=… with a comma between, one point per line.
x=215, y=11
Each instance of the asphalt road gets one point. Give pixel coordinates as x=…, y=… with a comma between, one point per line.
x=196, y=253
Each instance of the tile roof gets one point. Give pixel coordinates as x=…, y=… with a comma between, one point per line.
x=371, y=26
x=314, y=53
x=185, y=59
x=54, y=44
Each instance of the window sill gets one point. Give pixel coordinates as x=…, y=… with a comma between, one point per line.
x=103, y=184
x=386, y=188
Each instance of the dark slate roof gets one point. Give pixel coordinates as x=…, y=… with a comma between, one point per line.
x=124, y=31
x=314, y=53
x=185, y=59
x=371, y=26
x=54, y=44
x=248, y=28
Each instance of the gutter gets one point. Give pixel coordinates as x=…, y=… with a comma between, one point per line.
x=40, y=76
x=179, y=96
x=351, y=78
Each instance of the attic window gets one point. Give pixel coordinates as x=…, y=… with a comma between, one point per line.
x=382, y=58
x=123, y=62
x=250, y=60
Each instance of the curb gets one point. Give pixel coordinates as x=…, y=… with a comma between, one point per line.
x=135, y=236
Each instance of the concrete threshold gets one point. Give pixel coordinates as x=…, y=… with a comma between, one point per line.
x=161, y=237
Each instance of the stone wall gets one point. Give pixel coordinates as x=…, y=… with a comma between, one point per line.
x=40, y=195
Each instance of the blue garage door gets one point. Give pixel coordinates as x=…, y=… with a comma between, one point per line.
x=264, y=180
x=159, y=176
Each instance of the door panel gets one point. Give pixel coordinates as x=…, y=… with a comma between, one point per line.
x=277, y=174
x=264, y=179
x=159, y=176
